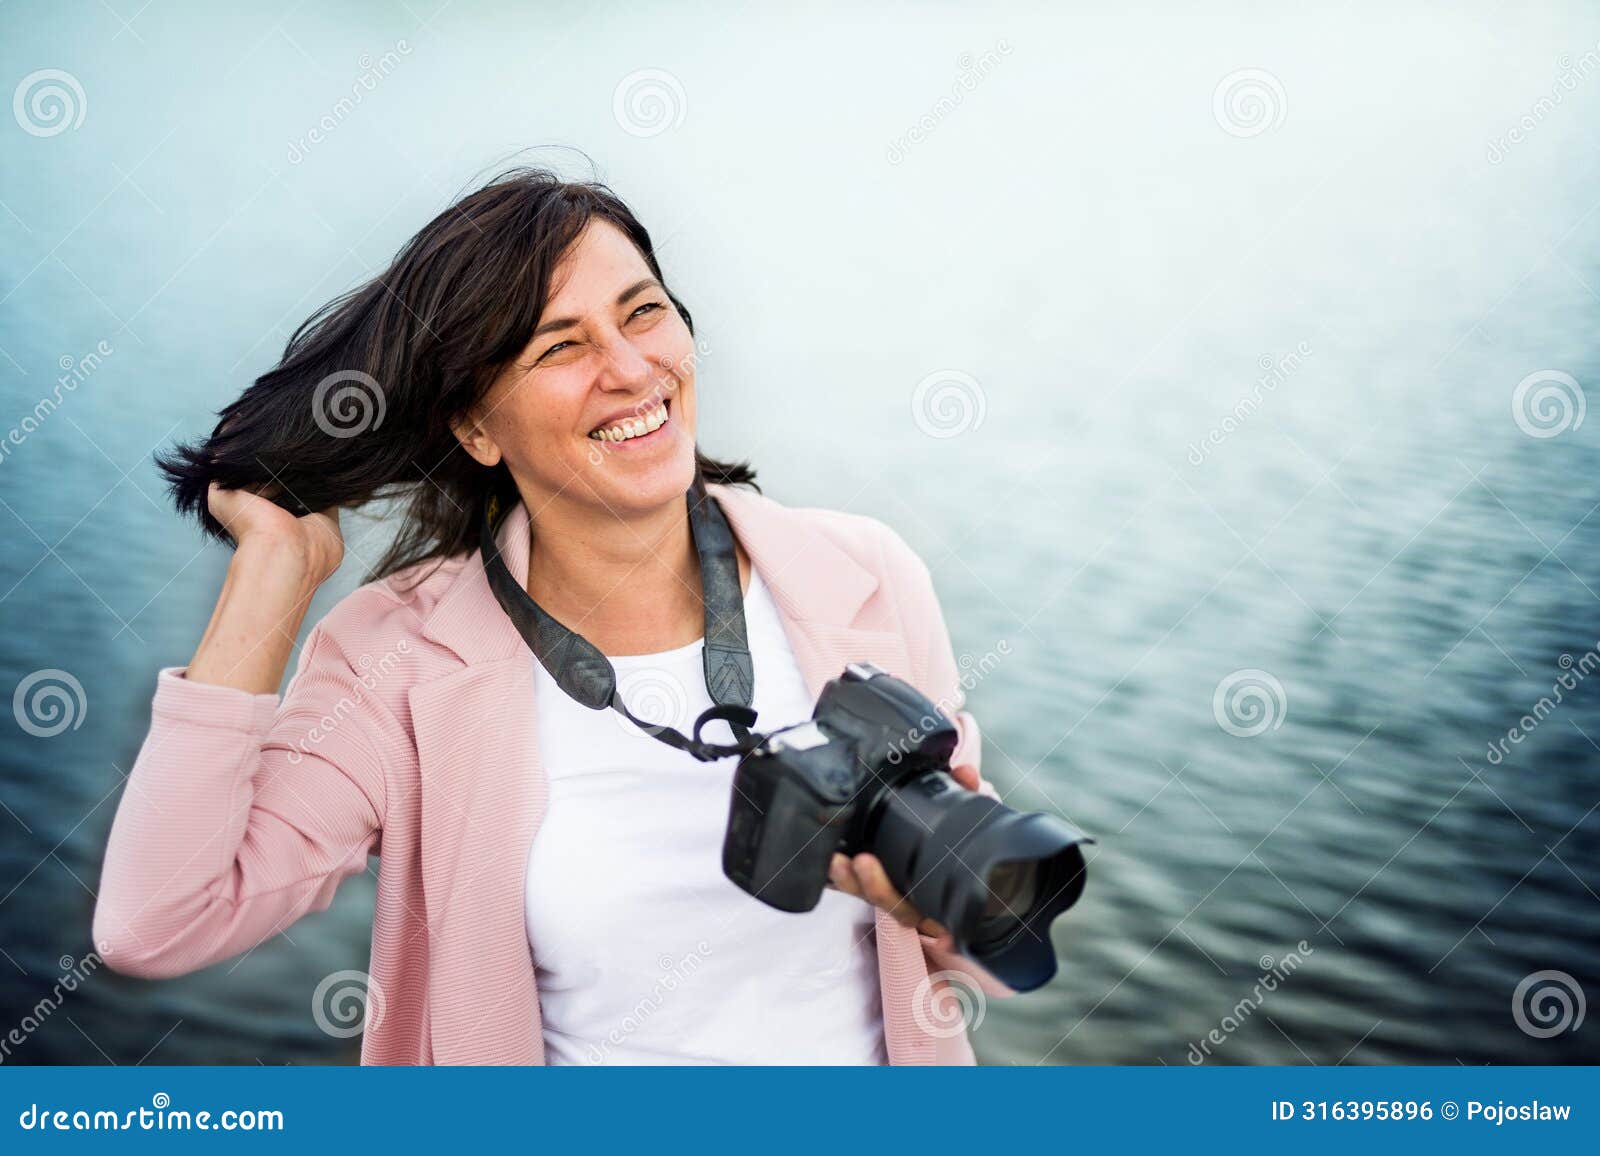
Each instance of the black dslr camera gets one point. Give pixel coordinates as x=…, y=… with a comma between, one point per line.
x=869, y=772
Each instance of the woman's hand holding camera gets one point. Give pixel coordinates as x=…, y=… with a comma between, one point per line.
x=863, y=876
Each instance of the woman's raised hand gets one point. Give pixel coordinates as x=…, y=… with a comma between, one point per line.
x=279, y=560
x=313, y=540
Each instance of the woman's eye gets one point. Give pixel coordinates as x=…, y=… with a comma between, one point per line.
x=647, y=307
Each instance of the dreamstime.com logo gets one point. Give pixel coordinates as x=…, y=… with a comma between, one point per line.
x=160, y=1116
x=372, y=671
x=972, y=672
x=348, y=403
x=49, y=102
x=648, y=102
x=675, y=972
x=347, y=1003
x=1274, y=973
x=1274, y=372
x=945, y=1012
x=1248, y=703
x=947, y=403
x=1573, y=672
x=48, y=702
x=73, y=973
x=655, y=696
x=1548, y=1003
x=1249, y=102
x=1569, y=74
x=373, y=70
x=74, y=372
x=1548, y=402
x=970, y=72
x=677, y=372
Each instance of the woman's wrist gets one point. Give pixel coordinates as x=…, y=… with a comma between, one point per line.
x=251, y=634
x=278, y=568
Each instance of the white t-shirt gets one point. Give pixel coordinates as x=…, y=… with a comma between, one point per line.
x=645, y=952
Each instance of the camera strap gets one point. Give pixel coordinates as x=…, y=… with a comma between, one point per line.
x=587, y=676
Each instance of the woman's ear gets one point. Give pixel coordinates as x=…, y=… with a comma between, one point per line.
x=475, y=439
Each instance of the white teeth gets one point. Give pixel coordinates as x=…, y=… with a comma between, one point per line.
x=633, y=427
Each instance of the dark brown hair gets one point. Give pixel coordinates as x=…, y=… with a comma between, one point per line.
x=404, y=355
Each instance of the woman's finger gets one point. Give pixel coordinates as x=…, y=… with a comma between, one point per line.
x=881, y=893
x=222, y=504
x=967, y=775
x=842, y=876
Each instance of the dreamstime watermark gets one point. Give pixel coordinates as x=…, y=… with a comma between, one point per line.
x=655, y=696
x=1574, y=671
x=1249, y=702
x=972, y=671
x=674, y=973
x=1249, y=102
x=1548, y=402
x=944, y=1005
x=947, y=403
x=348, y=403
x=159, y=1117
x=676, y=371
x=372, y=72
x=1273, y=973
x=49, y=102
x=1548, y=1003
x=347, y=1003
x=370, y=672
x=971, y=71
x=648, y=102
x=74, y=372
x=1273, y=374
x=48, y=702
x=74, y=972
x=1568, y=76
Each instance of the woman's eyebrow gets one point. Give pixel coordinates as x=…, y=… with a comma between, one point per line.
x=637, y=287
x=622, y=299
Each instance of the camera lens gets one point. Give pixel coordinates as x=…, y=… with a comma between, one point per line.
x=995, y=877
x=1012, y=887
x=1012, y=890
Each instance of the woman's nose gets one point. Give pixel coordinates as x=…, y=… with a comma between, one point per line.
x=626, y=366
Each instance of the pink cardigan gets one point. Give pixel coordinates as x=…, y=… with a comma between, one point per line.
x=410, y=716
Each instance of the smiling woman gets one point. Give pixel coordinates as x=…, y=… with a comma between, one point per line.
x=471, y=309
x=614, y=369
x=539, y=860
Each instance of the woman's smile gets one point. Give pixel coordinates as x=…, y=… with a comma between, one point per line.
x=638, y=429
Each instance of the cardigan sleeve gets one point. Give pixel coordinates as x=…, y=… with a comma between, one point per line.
x=243, y=812
x=933, y=654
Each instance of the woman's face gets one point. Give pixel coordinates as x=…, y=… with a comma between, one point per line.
x=579, y=414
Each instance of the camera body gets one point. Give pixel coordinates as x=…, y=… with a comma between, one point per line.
x=813, y=788
x=869, y=771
